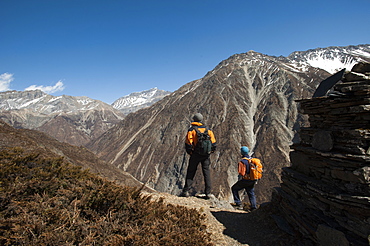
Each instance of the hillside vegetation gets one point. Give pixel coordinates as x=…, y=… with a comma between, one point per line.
x=51, y=202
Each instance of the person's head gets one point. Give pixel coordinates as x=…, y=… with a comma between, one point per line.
x=244, y=150
x=198, y=117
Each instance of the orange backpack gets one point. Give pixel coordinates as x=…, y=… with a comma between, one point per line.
x=256, y=169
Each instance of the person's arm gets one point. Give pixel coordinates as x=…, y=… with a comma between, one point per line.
x=213, y=140
x=189, y=142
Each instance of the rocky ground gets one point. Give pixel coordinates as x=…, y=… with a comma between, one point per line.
x=232, y=227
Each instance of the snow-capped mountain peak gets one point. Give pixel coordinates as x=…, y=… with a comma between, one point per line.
x=332, y=59
x=136, y=100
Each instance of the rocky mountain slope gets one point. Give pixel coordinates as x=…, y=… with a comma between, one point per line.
x=137, y=100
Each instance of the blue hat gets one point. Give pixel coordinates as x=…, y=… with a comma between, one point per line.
x=244, y=150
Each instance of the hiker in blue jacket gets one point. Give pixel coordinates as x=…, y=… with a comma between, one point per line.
x=246, y=181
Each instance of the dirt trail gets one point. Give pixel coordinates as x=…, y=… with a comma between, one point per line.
x=229, y=227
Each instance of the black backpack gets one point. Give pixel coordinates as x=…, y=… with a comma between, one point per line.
x=204, y=144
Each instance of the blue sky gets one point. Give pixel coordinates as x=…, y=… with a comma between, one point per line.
x=107, y=49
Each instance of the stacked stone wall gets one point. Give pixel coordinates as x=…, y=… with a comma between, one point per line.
x=325, y=194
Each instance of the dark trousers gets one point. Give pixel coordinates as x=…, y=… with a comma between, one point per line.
x=248, y=185
x=194, y=160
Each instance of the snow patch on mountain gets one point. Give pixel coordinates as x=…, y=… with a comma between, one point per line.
x=331, y=59
x=26, y=104
x=84, y=101
x=331, y=65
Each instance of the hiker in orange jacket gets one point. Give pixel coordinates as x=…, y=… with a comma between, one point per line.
x=198, y=156
x=245, y=182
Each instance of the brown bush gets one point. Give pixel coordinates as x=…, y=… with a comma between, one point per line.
x=50, y=202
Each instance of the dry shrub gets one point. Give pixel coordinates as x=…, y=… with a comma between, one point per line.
x=50, y=202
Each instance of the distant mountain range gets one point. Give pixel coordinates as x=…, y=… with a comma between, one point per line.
x=247, y=99
x=43, y=103
x=75, y=120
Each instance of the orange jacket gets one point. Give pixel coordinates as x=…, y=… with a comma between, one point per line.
x=191, y=137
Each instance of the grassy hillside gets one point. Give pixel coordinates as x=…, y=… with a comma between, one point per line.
x=51, y=202
x=32, y=141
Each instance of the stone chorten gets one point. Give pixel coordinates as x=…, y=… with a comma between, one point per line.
x=325, y=194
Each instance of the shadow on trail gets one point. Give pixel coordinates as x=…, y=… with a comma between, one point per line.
x=254, y=228
x=238, y=226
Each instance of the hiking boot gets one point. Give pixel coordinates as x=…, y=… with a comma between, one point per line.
x=185, y=194
x=237, y=206
x=209, y=196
